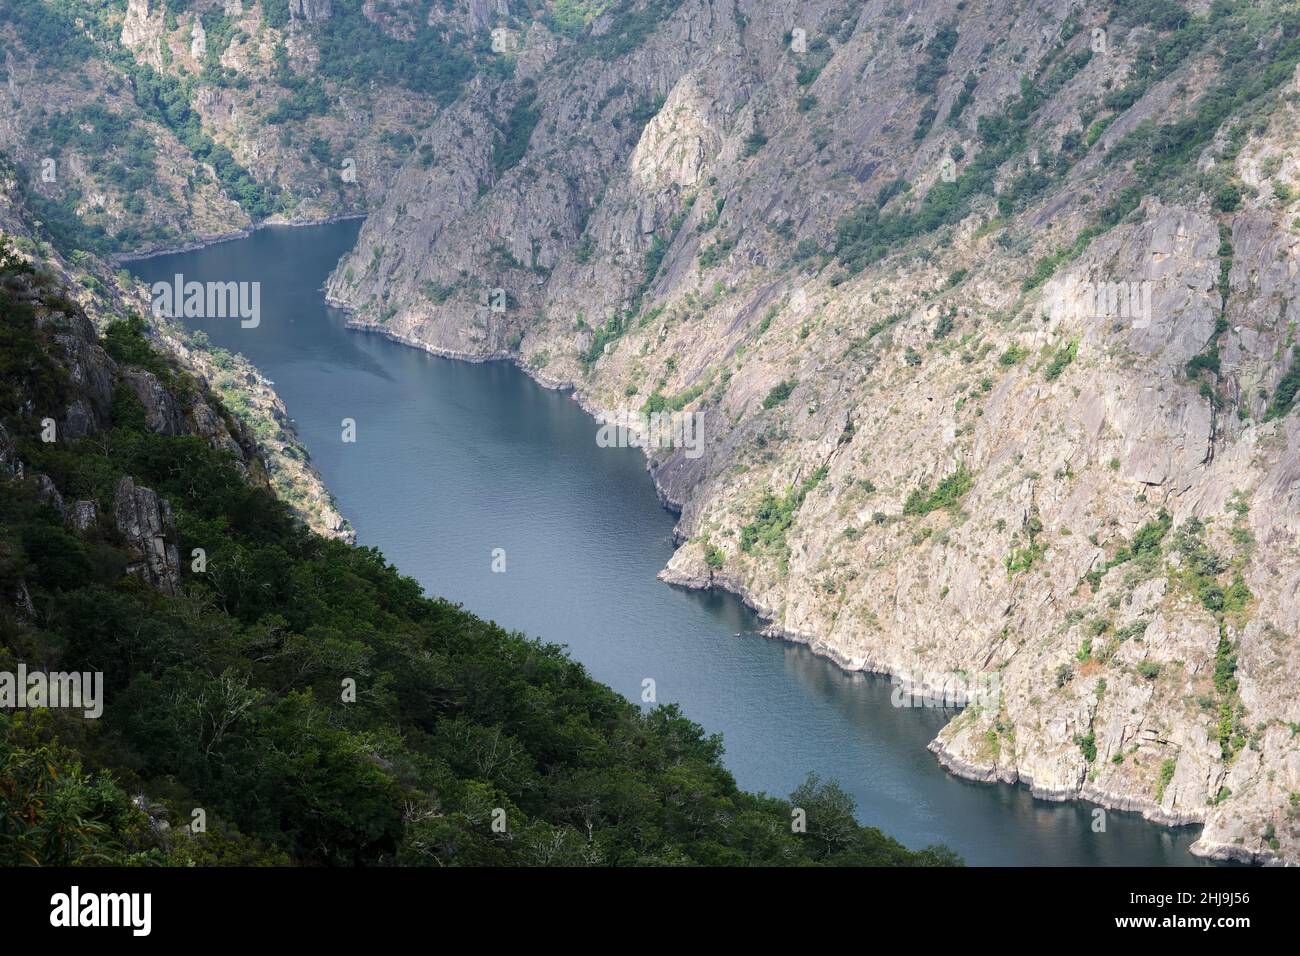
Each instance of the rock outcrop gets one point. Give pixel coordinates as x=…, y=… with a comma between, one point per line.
x=83, y=515
x=310, y=10
x=145, y=521
x=162, y=411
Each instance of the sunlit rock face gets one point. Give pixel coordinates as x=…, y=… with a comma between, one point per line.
x=310, y=10
x=667, y=226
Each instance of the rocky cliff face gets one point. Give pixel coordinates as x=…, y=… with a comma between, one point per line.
x=988, y=312
x=986, y=309
x=89, y=381
x=263, y=444
x=310, y=10
x=142, y=126
x=145, y=522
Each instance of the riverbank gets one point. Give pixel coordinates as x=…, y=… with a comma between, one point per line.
x=479, y=456
x=1086, y=794
x=989, y=773
x=205, y=242
x=253, y=397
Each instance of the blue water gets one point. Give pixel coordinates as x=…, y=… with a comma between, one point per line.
x=453, y=460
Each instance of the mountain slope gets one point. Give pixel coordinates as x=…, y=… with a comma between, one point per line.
x=273, y=696
x=986, y=310
x=868, y=254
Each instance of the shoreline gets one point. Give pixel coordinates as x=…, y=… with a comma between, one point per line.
x=957, y=766
x=121, y=258
x=329, y=521
x=963, y=769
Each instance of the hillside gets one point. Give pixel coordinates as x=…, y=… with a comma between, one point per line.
x=868, y=255
x=307, y=699
x=987, y=309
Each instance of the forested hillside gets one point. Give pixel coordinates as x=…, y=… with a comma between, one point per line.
x=229, y=681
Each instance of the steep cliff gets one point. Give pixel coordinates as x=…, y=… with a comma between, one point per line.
x=987, y=311
x=144, y=125
x=260, y=424
x=64, y=386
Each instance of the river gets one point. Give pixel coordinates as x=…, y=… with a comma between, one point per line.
x=453, y=460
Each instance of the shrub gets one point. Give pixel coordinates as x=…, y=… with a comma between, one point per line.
x=1088, y=744
x=1166, y=775
x=947, y=493
x=1063, y=357
x=714, y=556
x=1288, y=387
x=1013, y=355
x=779, y=393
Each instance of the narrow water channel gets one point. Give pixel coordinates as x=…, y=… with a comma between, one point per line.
x=453, y=460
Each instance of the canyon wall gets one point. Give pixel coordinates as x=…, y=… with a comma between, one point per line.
x=986, y=310
x=886, y=252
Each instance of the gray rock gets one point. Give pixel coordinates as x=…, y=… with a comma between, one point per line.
x=22, y=599
x=10, y=466
x=48, y=494
x=83, y=515
x=162, y=412
x=1091, y=454
x=208, y=424
x=145, y=521
x=310, y=10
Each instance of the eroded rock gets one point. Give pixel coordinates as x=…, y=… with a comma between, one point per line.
x=145, y=521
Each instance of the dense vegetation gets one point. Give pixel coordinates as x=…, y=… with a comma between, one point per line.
x=510, y=148
x=231, y=696
x=54, y=41
x=356, y=52
x=114, y=146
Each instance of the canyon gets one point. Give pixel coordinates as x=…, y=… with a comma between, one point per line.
x=855, y=238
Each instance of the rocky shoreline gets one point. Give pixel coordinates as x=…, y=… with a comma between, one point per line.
x=989, y=773
x=206, y=241
x=982, y=773
x=320, y=513
x=952, y=763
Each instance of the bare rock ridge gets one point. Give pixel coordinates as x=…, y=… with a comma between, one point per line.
x=145, y=521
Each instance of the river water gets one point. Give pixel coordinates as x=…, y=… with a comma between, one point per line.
x=453, y=460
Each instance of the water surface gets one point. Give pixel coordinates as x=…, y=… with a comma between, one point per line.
x=453, y=460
